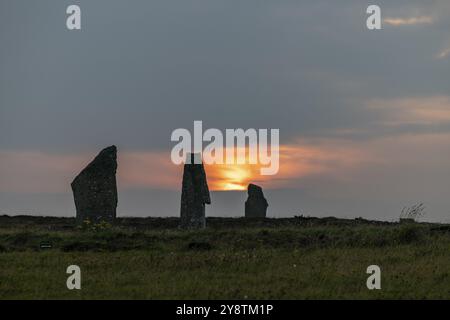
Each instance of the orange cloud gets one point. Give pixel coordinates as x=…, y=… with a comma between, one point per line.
x=26, y=171
x=409, y=21
x=297, y=160
x=31, y=171
x=144, y=169
x=434, y=109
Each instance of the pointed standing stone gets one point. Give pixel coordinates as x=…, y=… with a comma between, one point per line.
x=95, y=188
x=256, y=205
x=194, y=195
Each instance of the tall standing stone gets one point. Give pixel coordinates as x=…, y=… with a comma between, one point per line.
x=256, y=205
x=194, y=194
x=95, y=188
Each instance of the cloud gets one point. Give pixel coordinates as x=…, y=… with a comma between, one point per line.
x=444, y=53
x=393, y=117
x=339, y=174
x=38, y=172
x=297, y=161
x=147, y=169
x=413, y=110
x=409, y=21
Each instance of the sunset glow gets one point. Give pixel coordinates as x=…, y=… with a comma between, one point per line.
x=230, y=177
x=155, y=170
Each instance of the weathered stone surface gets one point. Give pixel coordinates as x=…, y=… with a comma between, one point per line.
x=95, y=188
x=194, y=195
x=256, y=205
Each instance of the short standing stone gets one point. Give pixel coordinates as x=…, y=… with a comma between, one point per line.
x=194, y=195
x=256, y=205
x=95, y=188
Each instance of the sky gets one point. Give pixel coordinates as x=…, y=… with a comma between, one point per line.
x=364, y=115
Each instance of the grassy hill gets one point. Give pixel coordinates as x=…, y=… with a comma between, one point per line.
x=291, y=258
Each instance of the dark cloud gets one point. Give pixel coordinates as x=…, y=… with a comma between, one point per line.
x=138, y=70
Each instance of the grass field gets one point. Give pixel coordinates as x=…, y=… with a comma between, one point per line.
x=296, y=258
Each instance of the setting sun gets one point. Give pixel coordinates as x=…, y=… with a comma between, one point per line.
x=230, y=177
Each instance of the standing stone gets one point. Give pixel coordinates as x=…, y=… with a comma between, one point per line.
x=194, y=194
x=256, y=205
x=95, y=188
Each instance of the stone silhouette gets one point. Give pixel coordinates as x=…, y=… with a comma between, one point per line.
x=194, y=194
x=95, y=188
x=256, y=205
